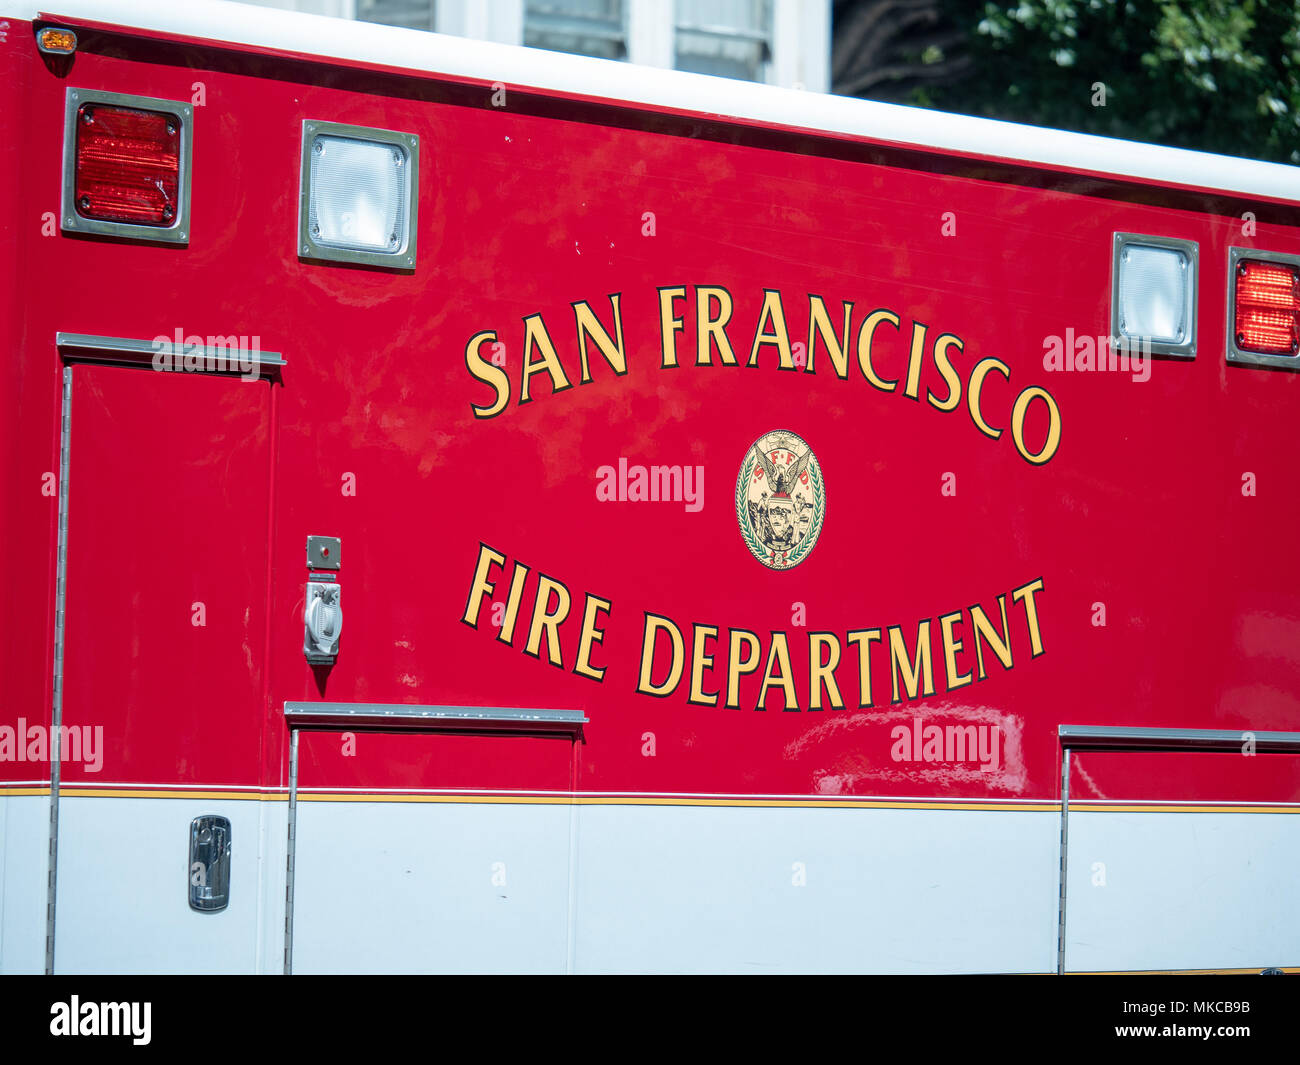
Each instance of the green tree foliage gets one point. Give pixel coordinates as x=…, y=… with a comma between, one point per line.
x=1215, y=75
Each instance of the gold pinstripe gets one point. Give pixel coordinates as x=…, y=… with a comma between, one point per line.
x=281, y=795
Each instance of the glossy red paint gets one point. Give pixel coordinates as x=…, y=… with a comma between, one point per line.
x=175, y=480
x=169, y=480
x=456, y=762
x=1111, y=777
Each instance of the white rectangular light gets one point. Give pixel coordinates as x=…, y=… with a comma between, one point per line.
x=359, y=195
x=1153, y=292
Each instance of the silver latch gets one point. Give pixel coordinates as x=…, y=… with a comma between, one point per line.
x=209, y=863
x=323, y=622
x=322, y=613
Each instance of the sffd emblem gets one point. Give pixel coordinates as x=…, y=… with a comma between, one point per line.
x=780, y=499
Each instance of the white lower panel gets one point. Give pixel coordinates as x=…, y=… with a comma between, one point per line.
x=496, y=887
x=123, y=901
x=24, y=843
x=1182, y=891
x=408, y=887
x=754, y=889
x=431, y=887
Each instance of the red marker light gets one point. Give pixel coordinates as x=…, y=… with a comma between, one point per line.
x=1267, y=308
x=128, y=165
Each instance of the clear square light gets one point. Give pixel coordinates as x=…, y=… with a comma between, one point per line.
x=1155, y=293
x=359, y=194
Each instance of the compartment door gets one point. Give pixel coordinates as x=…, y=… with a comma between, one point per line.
x=1182, y=861
x=164, y=647
x=432, y=852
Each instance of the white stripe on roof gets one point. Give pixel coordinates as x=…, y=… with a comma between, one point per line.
x=366, y=42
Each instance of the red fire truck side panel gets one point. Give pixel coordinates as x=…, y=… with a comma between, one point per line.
x=1003, y=547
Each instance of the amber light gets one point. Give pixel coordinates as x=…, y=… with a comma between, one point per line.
x=54, y=41
x=1268, y=308
x=128, y=165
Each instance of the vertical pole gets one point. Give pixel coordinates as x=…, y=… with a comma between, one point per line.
x=1065, y=853
x=292, y=841
x=56, y=708
x=571, y=954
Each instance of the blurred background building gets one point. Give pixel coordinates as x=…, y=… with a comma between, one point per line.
x=776, y=42
x=1215, y=75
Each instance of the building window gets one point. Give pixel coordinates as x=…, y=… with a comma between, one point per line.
x=583, y=27
x=728, y=38
x=412, y=14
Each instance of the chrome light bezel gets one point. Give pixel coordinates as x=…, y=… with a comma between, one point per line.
x=404, y=256
x=1186, y=348
x=1234, y=354
x=72, y=222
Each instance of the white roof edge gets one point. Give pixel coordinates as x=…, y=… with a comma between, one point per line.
x=365, y=42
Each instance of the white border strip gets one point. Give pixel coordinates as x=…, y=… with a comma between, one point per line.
x=529, y=67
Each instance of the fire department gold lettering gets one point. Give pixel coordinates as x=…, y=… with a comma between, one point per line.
x=909, y=655
x=777, y=673
x=772, y=675
x=551, y=612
